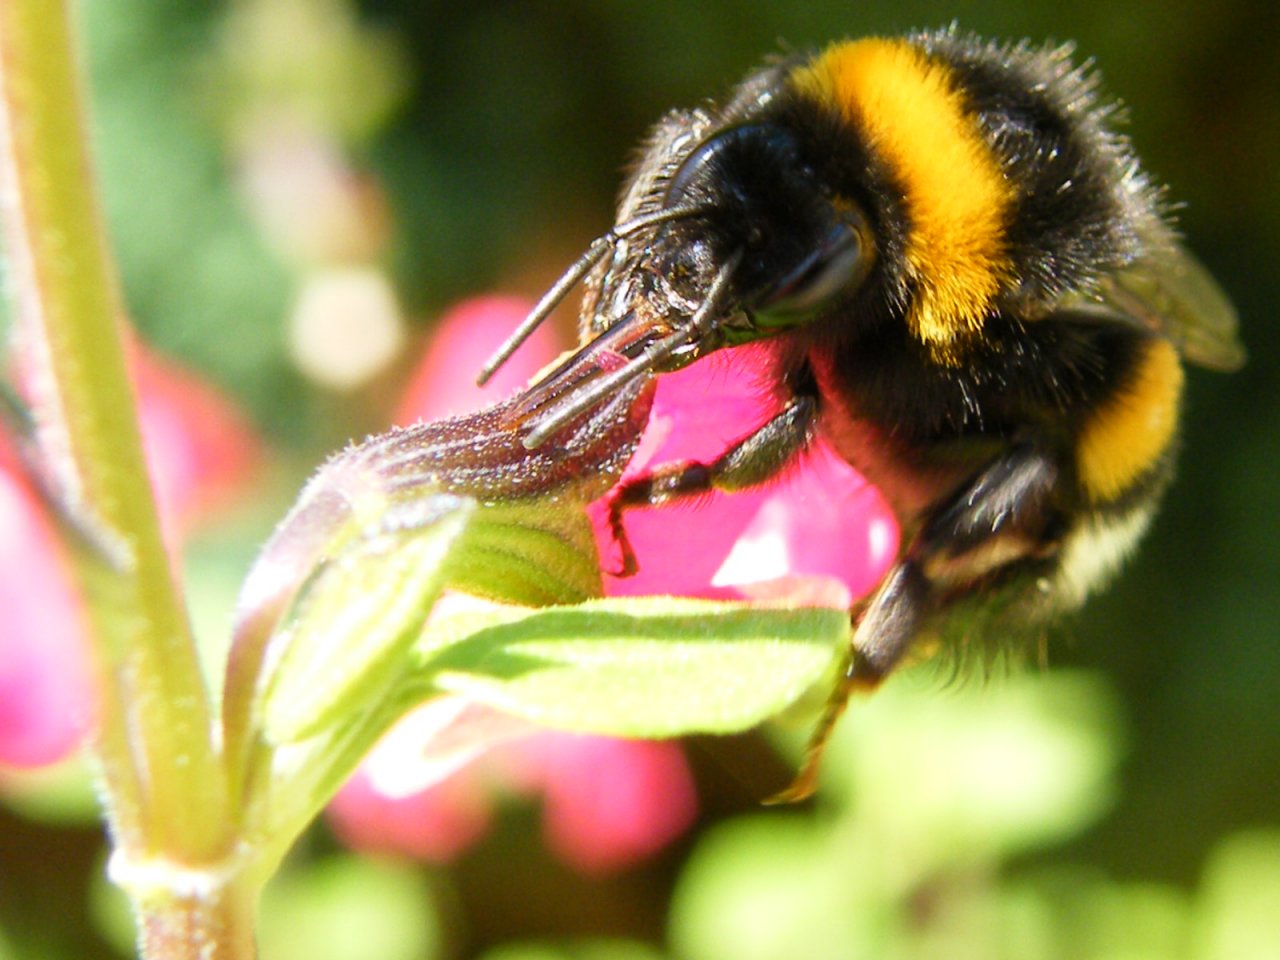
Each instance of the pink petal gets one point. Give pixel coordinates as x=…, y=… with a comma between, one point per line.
x=819, y=521
x=436, y=824
x=610, y=803
x=200, y=448
x=436, y=740
x=46, y=691
x=420, y=792
x=444, y=381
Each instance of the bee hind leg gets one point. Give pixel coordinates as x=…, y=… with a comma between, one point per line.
x=884, y=632
x=1003, y=517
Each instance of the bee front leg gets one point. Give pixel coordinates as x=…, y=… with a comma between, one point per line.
x=751, y=461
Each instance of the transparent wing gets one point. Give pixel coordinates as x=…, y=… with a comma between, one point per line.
x=1172, y=292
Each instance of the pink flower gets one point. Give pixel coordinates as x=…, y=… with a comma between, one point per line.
x=609, y=803
x=418, y=794
x=444, y=382
x=820, y=534
x=45, y=686
x=429, y=789
x=200, y=450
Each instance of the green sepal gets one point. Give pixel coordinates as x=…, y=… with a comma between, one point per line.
x=347, y=638
x=535, y=552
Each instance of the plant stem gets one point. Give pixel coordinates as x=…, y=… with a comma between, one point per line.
x=204, y=920
x=163, y=782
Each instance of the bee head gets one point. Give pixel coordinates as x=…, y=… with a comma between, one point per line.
x=761, y=208
x=722, y=240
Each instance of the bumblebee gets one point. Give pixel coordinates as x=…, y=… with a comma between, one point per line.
x=974, y=294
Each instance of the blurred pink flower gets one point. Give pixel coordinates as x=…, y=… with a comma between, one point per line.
x=606, y=802
x=200, y=451
x=444, y=382
x=45, y=687
x=418, y=793
x=609, y=803
x=820, y=535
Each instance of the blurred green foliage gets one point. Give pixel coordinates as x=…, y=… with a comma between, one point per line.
x=921, y=854
x=1140, y=819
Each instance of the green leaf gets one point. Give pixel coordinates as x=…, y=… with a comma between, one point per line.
x=359, y=613
x=637, y=667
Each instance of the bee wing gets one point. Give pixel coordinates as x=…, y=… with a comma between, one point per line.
x=1171, y=291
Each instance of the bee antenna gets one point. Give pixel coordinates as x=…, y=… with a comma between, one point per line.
x=571, y=277
x=542, y=309
x=700, y=324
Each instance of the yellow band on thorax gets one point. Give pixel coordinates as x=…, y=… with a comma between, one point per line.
x=956, y=196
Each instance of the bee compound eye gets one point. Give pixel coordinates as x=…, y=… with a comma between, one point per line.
x=836, y=263
x=719, y=160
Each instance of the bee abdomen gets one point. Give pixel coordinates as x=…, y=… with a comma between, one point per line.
x=1124, y=443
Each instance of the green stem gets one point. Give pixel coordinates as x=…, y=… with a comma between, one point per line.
x=207, y=914
x=162, y=777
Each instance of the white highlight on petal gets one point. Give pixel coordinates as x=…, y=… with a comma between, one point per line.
x=435, y=741
x=882, y=537
x=761, y=552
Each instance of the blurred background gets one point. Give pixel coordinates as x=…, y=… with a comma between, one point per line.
x=299, y=190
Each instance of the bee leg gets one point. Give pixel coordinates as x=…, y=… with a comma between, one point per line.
x=627, y=565
x=1001, y=517
x=752, y=460
x=1004, y=517
x=1004, y=514
x=883, y=633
